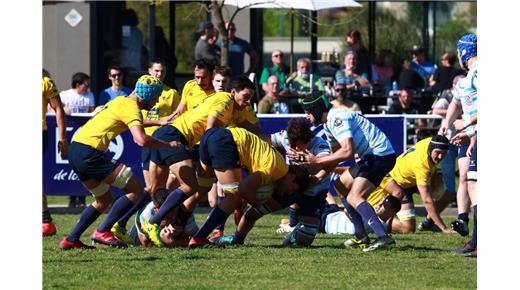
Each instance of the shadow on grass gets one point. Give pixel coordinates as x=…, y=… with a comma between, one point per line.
x=111, y=258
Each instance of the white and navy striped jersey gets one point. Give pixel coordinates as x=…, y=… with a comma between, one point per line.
x=465, y=93
x=367, y=138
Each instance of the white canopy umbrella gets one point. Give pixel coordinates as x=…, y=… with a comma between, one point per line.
x=294, y=4
x=313, y=5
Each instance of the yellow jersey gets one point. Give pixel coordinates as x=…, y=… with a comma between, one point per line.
x=193, y=94
x=192, y=124
x=249, y=114
x=114, y=118
x=258, y=156
x=49, y=91
x=379, y=193
x=414, y=167
x=166, y=104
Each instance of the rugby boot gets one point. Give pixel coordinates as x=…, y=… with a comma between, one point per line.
x=216, y=234
x=153, y=231
x=466, y=248
x=48, y=229
x=460, y=226
x=380, y=243
x=107, y=238
x=198, y=243
x=357, y=243
x=121, y=233
x=67, y=245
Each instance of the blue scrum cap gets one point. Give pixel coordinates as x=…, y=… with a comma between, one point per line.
x=147, y=87
x=467, y=47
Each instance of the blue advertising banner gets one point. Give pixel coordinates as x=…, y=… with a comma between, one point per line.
x=60, y=179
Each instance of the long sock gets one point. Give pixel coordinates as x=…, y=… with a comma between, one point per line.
x=355, y=218
x=239, y=238
x=221, y=226
x=141, y=203
x=370, y=217
x=216, y=216
x=473, y=242
x=464, y=216
x=173, y=200
x=87, y=217
x=293, y=216
x=119, y=208
x=46, y=217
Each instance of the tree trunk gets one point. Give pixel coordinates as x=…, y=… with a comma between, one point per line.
x=216, y=12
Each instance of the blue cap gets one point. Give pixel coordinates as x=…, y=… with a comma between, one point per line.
x=467, y=47
x=147, y=87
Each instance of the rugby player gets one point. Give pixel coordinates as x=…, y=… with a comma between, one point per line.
x=465, y=97
x=50, y=96
x=350, y=133
x=215, y=111
x=223, y=151
x=159, y=115
x=98, y=173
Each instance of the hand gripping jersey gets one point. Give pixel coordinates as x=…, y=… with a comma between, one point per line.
x=166, y=104
x=318, y=147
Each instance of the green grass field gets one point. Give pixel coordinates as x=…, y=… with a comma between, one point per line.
x=419, y=261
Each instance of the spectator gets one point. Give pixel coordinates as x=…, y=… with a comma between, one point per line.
x=349, y=74
x=341, y=99
x=78, y=99
x=270, y=103
x=204, y=48
x=115, y=75
x=132, y=41
x=406, y=105
x=443, y=78
x=383, y=71
x=278, y=69
x=410, y=79
x=301, y=80
x=237, y=47
x=355, y=44
x=419, y=64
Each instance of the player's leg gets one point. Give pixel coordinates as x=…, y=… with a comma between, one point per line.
x=460, y=225
x=119, y=228
x=230, y=179
x=343, y=185
x=371, y=172
x=48, y=226
x=123, y=178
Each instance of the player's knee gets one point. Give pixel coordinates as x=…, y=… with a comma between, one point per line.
x=123, y=177
x=230, y=189
x=102, y=202
x=100, y=190
x=472, y=176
